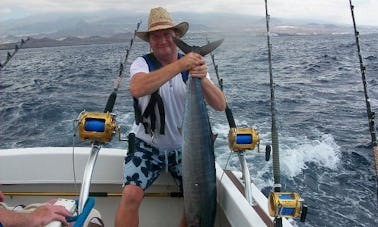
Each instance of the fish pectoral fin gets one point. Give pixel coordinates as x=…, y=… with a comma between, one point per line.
x=214, y=137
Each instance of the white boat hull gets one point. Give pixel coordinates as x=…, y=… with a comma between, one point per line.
x=34, y=175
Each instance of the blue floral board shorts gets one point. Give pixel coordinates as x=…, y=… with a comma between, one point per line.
x=144, y=164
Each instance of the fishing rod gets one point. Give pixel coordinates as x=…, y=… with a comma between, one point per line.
x=229, y=115
x=240, y=139
x=92, y=194
x=274, y=131
x=281, y=204
x=99, y=128
x=10, y=55
x=113, y=96
x=370, y=113
x=275, y=145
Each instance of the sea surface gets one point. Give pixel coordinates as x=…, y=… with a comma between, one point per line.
x=325, y=145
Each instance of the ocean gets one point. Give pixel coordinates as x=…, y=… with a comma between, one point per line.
x=326, y=154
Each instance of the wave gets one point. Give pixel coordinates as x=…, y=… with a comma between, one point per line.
x=323, y=152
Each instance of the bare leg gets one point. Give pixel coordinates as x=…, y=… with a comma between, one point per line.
x=128, y=209
x=183, y=221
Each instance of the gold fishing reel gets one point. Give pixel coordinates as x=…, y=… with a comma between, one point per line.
x=284, y=204
x=96, y=126
x=240, y=139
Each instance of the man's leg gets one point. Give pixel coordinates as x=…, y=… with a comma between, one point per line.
x=183, y=221
x=128, y=209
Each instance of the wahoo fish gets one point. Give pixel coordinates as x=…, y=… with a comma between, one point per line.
x=198, y=159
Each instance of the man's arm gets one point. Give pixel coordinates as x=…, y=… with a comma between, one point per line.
x=142, y=83
x=213, y=95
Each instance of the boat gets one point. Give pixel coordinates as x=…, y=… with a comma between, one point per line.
x=92, y=177
x=35, y=175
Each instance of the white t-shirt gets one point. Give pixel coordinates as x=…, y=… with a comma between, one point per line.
x=173, y=95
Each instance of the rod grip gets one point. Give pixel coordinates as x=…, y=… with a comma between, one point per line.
x=110, y=103
x=230, y=117
x=131, y=139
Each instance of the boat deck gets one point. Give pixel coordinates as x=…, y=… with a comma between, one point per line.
x=34, y=175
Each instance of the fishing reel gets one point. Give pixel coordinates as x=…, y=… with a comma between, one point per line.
x=96, y=126
x=240, y=139
x=286, y=204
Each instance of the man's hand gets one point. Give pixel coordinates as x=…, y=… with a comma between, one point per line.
x=199, y=71
x=45, y=214
x=41, y=216
x=191, y=61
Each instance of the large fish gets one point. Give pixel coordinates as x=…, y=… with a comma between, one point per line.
x=198, y=159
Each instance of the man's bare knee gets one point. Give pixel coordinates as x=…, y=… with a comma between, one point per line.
x=132, y=195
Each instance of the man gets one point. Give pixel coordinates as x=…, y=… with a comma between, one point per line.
x=158, y=132
x=41, y=216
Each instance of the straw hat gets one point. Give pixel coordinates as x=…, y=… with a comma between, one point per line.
x=160, y=19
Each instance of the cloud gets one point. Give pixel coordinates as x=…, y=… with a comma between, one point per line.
x=335, y=11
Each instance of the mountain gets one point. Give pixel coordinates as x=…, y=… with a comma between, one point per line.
x=105, y=26
x=58, y=26
x=68, y=41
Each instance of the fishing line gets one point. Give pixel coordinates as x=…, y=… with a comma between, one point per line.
x=225, y=167
x=11, y=55
x=240, y=140
x=275, y=146
x=370, y=113
x=228, y=111
x=220, y=83
x=74, y=129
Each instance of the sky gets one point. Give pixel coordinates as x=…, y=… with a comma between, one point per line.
x=331, y=11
